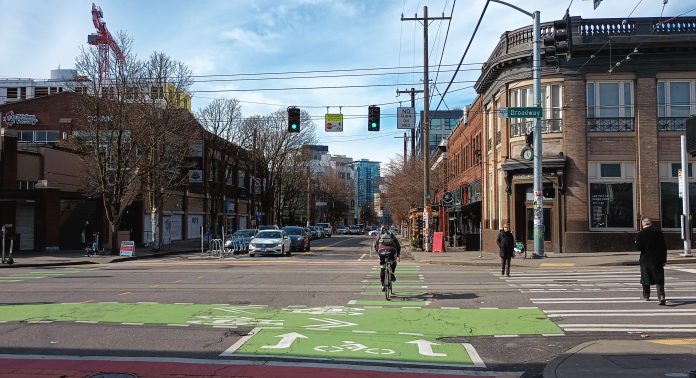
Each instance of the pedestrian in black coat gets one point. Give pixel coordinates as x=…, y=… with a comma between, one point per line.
x=506, y=243
x=653, y=256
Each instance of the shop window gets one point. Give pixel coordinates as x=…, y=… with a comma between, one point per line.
x=671, y=203
x=611, y=205
x=677, y=166
x=610, y=170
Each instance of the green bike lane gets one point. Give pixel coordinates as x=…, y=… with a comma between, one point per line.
x=403, y=330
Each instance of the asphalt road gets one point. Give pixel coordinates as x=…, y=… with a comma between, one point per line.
x=324, y=309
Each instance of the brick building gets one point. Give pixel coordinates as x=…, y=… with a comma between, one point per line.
x=613, y=115
x=464, y=179
x=42, y=182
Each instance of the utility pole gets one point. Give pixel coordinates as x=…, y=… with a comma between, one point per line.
x=412, y=92
x=425, y=127
x=405, y=137
x=253, y=184
x=536, y=87
x=309, y=194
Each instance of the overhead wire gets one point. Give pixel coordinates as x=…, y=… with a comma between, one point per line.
x=442, y=97
x=442, y=54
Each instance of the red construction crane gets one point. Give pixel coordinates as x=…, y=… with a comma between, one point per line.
x=103, y=39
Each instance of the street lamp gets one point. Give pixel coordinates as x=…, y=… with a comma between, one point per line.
x=536, y=87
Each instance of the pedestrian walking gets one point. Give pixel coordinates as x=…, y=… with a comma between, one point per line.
x=506, y=243
x=86, y=237
x=653, y=256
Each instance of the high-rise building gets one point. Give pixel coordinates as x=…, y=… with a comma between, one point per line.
x=366, y=181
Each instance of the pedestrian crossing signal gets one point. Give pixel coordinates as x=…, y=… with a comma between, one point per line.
x=293, y=119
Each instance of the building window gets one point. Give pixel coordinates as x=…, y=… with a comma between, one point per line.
x=611, y=196
x=12, y=93
x=240, y=179
x=40, y=91
x=156, y=92
x=610, y=106
x=436, y=124
x=39, y=137
x=670, y=201
x=26, y=185
x=675, y=104
x=552, y=120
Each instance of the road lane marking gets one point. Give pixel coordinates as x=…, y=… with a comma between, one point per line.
x=230, y=351
x=675, y=341
x=126, y=293
x=545, y=265
x=475, y=358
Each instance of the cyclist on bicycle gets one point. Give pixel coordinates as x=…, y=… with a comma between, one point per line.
x=387, y=246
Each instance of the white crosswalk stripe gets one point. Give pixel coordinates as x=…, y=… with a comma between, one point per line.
x=609, y=300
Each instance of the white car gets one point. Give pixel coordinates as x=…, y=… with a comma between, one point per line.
x=272, y=242
x=328, y=230
x=374, y=233
x=341, y=231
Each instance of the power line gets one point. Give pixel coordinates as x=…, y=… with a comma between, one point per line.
x=464, y=55
x=437, y=74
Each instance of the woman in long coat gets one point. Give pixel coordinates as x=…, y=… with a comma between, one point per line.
x=506, y=243
x=653, y=256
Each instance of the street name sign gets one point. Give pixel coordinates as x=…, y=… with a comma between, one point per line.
x=333, y=123
x=405, y=118
x=518, y=112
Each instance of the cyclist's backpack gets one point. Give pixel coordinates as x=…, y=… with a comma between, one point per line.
x=386, y=239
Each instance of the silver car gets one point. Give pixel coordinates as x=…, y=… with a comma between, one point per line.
x=239, y=241
x=272, y=242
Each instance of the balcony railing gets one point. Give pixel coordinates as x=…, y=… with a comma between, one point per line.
x=671, y=123
x=615, y=124
x=548, y=126
x=497, y=137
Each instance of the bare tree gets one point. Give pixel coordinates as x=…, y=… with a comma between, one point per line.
x=222, y=120
x=337, y=192
x=167, y=130
x=276, y=147
x=404, y=187
x=112, y=123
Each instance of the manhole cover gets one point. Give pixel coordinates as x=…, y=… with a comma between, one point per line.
x=112, y=375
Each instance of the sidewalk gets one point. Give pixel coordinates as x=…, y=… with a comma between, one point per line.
x=600, y=358
x=78, y=257
x=459, y=256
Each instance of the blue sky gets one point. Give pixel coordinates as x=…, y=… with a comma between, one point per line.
x=216, y=37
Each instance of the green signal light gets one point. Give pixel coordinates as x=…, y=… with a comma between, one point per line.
x=294, y=126
x=374, y=125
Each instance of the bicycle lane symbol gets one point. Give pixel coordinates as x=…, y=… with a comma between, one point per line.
x=342, y=344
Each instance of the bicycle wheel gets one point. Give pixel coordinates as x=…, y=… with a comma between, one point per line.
x=387, y=281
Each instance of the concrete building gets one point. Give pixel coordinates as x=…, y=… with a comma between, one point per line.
x=613, y=115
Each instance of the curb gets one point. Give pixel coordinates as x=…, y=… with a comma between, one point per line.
x=84, y=262
x=550, y=371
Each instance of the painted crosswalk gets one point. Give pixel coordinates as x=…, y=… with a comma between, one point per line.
x=609, y=299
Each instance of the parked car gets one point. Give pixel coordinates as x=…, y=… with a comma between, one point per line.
x=355, y=230
x=239, y=241
x=341, y=231
x=270, y=242
x=299, y=240
x=328, y=230
x=269, y=227
x=311, y=232
x=319, y=231
x=373, y=233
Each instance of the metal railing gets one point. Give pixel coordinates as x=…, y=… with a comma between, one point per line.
x=671, y=123
x=497, y=137
x=548, y=126
x=614, y=124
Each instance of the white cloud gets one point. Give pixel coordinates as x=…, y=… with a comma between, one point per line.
x=249, y=38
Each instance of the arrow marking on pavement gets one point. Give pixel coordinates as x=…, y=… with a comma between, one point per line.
x=286, y=340
x=425, y=348
x=328, y=323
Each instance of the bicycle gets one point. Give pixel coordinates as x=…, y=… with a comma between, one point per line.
x=389, y=256
x=520, y=249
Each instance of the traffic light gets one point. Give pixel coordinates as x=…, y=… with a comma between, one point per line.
x=293, y=119
x=373, y=118
x=559, y=42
